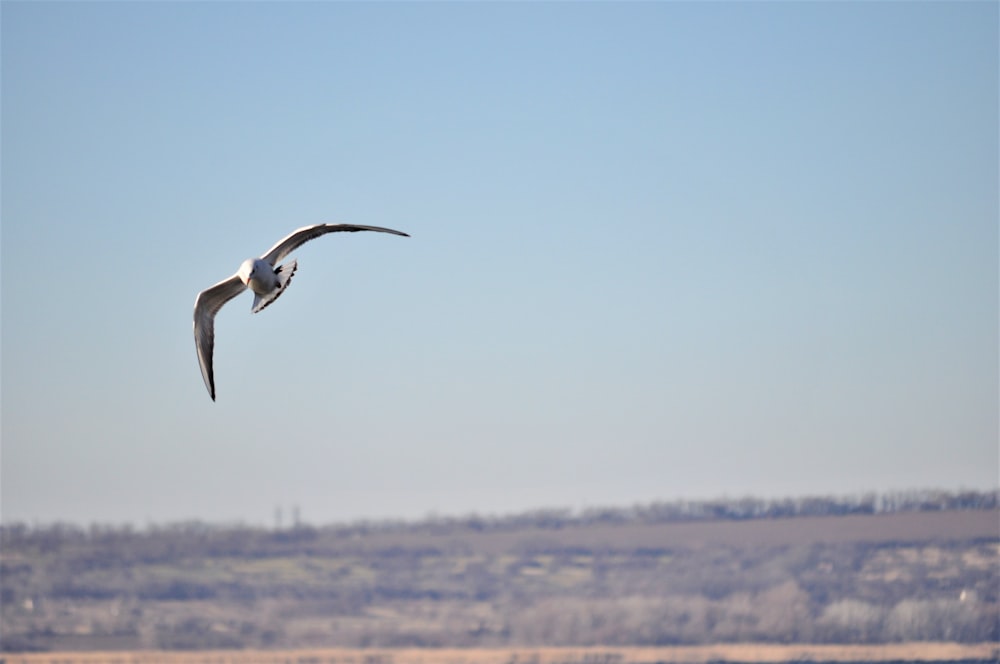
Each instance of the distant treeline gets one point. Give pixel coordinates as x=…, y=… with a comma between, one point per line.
x=730, y=509
x=724, y=509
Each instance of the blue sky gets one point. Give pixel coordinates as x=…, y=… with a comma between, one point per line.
x=658, y=250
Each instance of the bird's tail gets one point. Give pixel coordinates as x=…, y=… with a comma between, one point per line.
x=284, y=274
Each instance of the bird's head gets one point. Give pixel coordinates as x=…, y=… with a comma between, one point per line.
x=247, y=271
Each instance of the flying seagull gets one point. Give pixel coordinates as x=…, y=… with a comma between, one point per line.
x=265, y=278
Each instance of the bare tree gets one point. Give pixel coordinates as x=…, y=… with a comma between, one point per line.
x=851, y=621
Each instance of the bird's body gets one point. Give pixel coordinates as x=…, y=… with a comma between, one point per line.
x=265, y=278
x=266, y=282
x=258, y=275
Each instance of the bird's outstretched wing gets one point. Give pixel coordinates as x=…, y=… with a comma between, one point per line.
x=206, y=305
x=299, y=237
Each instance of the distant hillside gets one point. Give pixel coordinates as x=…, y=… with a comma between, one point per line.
x=872, y=569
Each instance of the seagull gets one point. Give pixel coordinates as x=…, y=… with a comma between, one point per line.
x=265, y=278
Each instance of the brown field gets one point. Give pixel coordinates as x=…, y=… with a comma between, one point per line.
x=859, y=528
x=909, y=652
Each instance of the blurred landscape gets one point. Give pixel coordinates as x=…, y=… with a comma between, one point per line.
x=872, y=569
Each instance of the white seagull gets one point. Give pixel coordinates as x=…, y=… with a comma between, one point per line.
x=265, y=278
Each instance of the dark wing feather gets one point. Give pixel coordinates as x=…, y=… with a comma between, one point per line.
x=206, y=305
x=299, y=237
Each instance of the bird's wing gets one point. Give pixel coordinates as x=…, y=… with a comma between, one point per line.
x=299, y=237
x=206, y=305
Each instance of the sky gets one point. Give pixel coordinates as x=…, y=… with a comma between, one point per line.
x=659, y=250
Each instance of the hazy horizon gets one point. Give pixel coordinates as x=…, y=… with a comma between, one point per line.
x=292, y=515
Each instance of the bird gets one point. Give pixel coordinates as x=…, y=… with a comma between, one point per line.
x=265, y=277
